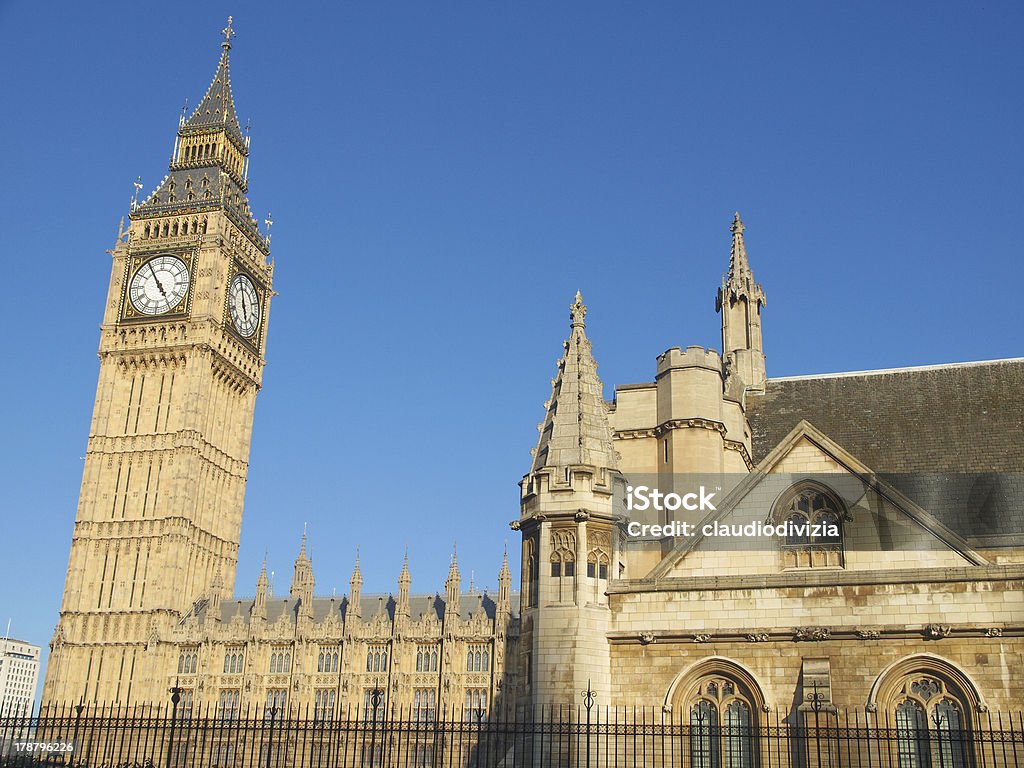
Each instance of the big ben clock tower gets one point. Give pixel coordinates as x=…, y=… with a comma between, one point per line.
x=181, y=360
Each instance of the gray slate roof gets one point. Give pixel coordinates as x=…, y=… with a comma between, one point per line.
x=950, y=437
x=217, y=109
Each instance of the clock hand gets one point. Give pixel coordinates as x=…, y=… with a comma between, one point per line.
x=157, y=279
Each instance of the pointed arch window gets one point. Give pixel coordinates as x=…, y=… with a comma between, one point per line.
x=478, y=659
x=722, y=720
x=931, y=727
x=327, y=660
x=563, y=563
x=814, y=517
x=232, y=661
x=529, y=573
x=377, y=658
x=188, y=662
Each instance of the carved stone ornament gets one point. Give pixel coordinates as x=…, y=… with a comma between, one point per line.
x=757, y=637
x=937, y=631
x=647, y=638
x=514, y=525
x=993, y=632
x=701, y=637
x=868, y=634
x=811, y=633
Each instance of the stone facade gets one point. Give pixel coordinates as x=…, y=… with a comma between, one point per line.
x=911, y=606
x=914, y=601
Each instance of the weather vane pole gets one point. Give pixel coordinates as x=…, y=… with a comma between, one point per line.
x=228, y=32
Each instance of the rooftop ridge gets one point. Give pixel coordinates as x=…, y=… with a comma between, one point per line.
x=882, y=371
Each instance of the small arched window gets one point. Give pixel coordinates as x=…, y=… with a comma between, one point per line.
x=813, y=519
x=563, y=564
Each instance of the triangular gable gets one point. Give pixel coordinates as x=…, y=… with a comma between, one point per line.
x=835, y=460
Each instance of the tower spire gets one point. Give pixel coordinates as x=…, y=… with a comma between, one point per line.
x=404, y=580
x=210, y=160
x=451, y=587
x=302, y=580
x=740, y=300
x=575, y=429
x=355, y=587
x=738, y=263
x=504, y=585
x=217, y=108
x=259, y=606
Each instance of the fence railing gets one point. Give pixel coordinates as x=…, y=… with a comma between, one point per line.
x=164, y=737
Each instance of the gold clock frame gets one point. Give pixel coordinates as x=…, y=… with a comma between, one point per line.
x=139, y=260
x=254, y=342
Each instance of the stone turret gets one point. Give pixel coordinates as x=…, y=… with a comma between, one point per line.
x=302, y=581
x=504, y=588
x=259, y=606
x=567, y=521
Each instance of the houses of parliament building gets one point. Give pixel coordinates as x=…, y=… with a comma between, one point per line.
x=912, y=604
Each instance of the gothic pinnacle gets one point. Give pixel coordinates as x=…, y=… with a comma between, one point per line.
x=228, y=33
x=578, y=312
x=357, y=576
x=738, y=262
x=404, y=577
x=575, y=429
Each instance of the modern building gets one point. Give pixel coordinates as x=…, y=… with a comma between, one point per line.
x=19, y=675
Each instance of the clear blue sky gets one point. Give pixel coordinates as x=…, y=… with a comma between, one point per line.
x=443, y=178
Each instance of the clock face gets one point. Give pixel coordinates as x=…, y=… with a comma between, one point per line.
x=159, y=285
x=244, y=305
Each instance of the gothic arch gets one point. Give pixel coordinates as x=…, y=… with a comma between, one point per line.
x=783, y=500
x=886, y=688
x=715, y=665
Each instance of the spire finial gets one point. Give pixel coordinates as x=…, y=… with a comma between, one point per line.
x=135, y=196
x=228, y=33
x=302, y=548
x=738, y=263
x=578, y=312
x=269, y=221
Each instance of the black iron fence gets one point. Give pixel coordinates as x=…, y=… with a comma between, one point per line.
x=159, y=737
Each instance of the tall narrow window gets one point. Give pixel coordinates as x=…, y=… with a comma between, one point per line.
x=721, y=725
x=930, y=725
